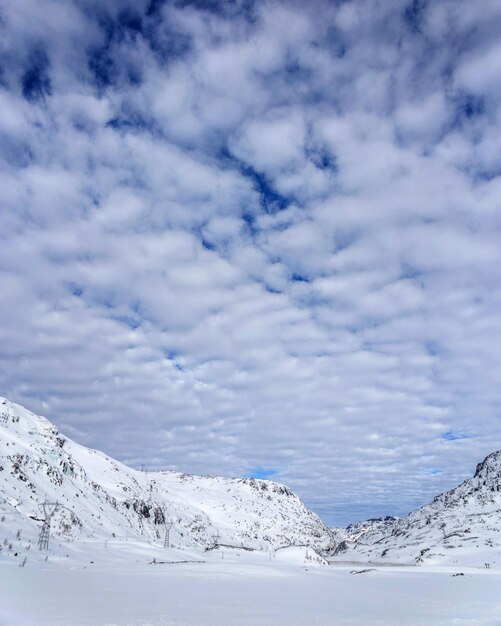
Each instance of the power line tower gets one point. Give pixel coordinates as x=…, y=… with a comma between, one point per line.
x=168, y=526
x=215, y=540
x=48, y=508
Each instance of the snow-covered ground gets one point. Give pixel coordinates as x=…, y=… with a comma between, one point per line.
x=238, y=552
x=119, y=585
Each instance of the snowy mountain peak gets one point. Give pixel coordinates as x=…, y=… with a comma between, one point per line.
x=463, y=521
x=490, y=467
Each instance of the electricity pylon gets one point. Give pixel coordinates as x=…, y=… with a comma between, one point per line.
x=168, y=526
x=48, y=508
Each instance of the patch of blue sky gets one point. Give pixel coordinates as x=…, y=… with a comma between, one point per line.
x=250, y=222
x=271, y=200
x=208, y=245
x=413, y=15
x=104, y=61
x=432, y=347
x=433, y=471
x=75, y=289
x=130, y=20
x=131, y=122
x=154, y=7
x=453, y=435
x=102, y=67
x=409, y=271
x=299, y=278
x=262, y=472
x=467, y=109
x=335, y=41
x=130, y=316
x=344, y=238
x=35, y=82
x=128, y=320
x=172, y=356
x=271, y=289
x=230, y=9
x=473, y=106
x=322, y=158
x=165, y=41
x=483, y=174
x=16, y=152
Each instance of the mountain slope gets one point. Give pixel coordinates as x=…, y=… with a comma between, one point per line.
x=460, y=525
x=100, y=497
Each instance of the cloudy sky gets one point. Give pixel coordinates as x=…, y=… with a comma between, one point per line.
x=257, y=238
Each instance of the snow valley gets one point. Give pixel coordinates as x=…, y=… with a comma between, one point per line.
x=131, y=547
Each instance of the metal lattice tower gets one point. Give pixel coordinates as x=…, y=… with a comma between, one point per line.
x=48, y=508
x=168, y=526
x=43, y=538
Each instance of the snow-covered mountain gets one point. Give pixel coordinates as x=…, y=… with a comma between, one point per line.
x=461, y=524
x=103, y=498
x=354, y=532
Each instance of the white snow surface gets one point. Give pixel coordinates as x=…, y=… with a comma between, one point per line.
x=101, y=498
x=118, y=584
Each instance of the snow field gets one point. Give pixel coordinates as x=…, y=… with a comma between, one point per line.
x=124, y=588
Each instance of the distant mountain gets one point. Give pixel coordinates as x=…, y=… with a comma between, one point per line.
x=354, y=532
x=102, y=498
x=461, y=525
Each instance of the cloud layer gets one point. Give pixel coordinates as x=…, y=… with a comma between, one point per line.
x=257, y=237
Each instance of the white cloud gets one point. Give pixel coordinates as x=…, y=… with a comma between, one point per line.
x=272, y=144
x=330, y=319
x=423, y=120
x=480, y=73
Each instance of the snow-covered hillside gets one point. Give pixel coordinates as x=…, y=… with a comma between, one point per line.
x=102, y=498
x=354, y=532
x=461, y=525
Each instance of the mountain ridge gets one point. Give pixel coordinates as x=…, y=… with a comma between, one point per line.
x=101, y=497
x=461, y=523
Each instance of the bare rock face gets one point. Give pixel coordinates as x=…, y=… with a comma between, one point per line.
x=100, y=497
x=460, y=525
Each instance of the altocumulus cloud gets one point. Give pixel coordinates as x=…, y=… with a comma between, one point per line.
x=257, y=237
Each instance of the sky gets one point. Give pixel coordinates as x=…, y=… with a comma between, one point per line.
x=257, y=238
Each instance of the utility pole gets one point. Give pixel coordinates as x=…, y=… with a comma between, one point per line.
x=48, y=508
x=168, y=526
